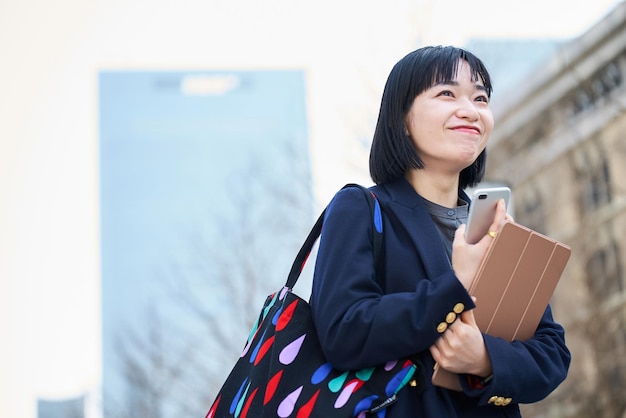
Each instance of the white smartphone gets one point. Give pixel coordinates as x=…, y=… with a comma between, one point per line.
x=482, y=211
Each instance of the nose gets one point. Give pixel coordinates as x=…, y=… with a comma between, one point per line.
x=467, y=110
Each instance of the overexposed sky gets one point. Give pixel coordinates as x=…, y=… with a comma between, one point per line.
x=454, y=21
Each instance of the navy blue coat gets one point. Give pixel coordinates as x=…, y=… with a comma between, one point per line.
x=361, y=324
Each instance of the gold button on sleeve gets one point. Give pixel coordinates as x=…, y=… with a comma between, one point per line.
x=458, y=308
x=499, y=401
x=442, y=327
x=450, y=317
x=492, y=399
x=507, y=401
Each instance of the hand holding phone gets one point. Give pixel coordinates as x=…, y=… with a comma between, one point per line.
x=483, y=210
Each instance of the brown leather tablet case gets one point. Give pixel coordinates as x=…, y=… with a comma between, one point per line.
x=513, y=287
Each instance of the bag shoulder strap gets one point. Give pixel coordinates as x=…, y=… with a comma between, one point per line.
x=307, y=246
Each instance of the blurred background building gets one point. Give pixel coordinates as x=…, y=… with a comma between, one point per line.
x=198, y=170
x=104, y=126
x=560, y=142
x=63, y=408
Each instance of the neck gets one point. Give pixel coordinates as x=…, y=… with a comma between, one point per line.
x=442, y=190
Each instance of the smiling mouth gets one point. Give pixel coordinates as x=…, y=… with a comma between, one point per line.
x=468, y=129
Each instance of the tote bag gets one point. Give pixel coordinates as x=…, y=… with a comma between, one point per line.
x=282, y=371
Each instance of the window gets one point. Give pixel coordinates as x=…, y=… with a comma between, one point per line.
x=604, y=272
x=593, y=176
x=596, y=191
x=597, y=88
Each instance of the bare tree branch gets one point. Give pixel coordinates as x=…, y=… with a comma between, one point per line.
x=212, y=294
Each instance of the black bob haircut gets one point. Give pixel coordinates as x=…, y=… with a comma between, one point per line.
x=393, y=152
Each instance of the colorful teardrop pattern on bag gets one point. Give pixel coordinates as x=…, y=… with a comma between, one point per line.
x=233, y=404
x=400, y=379
x=271, y=387
x=336, y=384
x=321, y=373
x=285, y=316
x=289, y=353
x=365, y=374
x=347, y=391
x=307, y=408
x=257, y=325
x=282, y=371
x=256, y=350
x=239, y=404
x=276, y=316
x=277, y=357
x=264, y=349
x=390, y=365
x=246, y=408
x=288, y=404
x=365, y=404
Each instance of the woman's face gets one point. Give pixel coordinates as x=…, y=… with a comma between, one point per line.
x=450, y=123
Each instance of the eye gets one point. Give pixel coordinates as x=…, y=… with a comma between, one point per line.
x=446, y=93
x=482, y=98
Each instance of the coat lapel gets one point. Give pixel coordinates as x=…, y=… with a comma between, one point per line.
x=405, y=206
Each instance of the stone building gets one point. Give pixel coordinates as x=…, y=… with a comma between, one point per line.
x=560, y=143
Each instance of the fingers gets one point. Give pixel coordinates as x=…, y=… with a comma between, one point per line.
x=468, y=318
x=466, y=257
x=461, y=348
x=500, y=213
x=499, y=219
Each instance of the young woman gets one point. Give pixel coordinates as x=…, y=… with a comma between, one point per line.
x=429, y=145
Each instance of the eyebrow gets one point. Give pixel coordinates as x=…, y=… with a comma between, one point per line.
x=456, y=83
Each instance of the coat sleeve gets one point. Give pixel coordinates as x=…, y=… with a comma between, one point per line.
x=358, y=325
x=527, y=371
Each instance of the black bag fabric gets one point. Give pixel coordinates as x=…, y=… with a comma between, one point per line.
x=282, y=371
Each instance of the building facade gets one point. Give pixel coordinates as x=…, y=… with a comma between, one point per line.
x=560, y=143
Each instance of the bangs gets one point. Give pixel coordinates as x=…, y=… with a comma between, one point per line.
x=426, y=67
x=444, y=69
